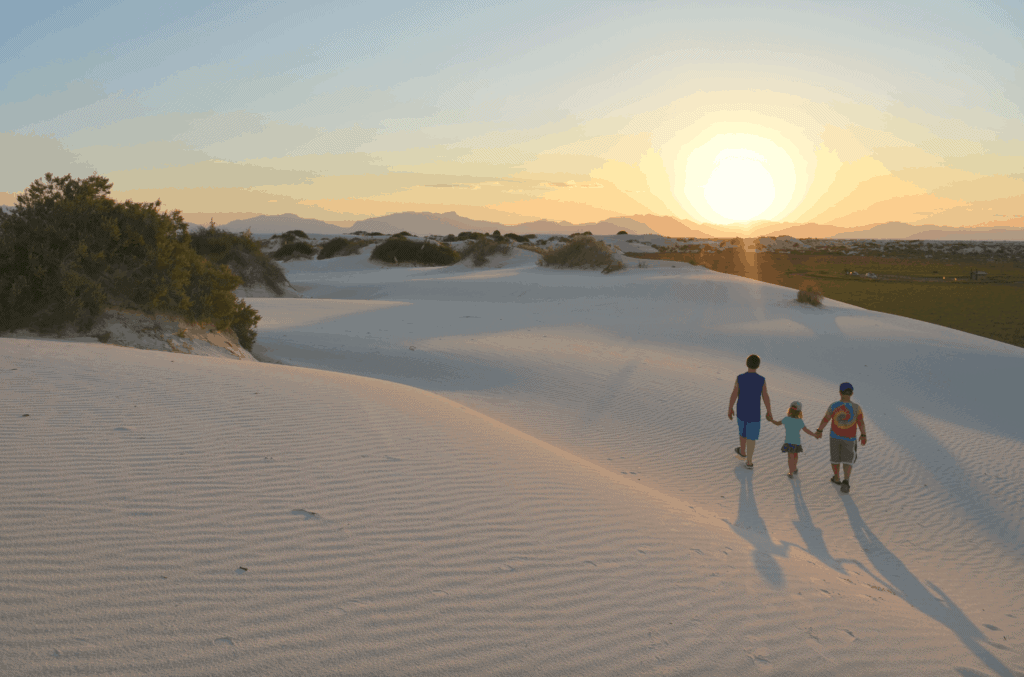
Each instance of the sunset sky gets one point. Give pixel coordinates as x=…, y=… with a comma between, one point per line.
x=842, y=113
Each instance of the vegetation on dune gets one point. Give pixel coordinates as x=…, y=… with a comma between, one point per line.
x=242, y=254
x=810, y=294
x=400, y=250
x=68, y=251
x=290, y=236
x=294, y=250
x=581, y=251
x=340, y=246
x=484, y=248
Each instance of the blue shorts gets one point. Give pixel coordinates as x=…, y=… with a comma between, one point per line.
x=749, y=429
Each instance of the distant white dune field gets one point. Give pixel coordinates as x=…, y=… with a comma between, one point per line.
x=512, y=470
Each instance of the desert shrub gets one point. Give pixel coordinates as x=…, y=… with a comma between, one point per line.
x=809, y=294
x=469, y=235
x=483, y=249
x=582, y=251
x=404, y=233
x=520, y=238
x=622, y=232
x=294, y=250
x=401, y=250
x=242, y=254
x=340, y=246
x=68, y=251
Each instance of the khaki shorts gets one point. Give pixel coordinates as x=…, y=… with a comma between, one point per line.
x=843, y=451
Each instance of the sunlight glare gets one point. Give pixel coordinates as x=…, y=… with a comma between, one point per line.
x=739, y=187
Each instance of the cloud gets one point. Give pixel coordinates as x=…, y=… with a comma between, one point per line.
x=75, y=95
x=208, y=174
x=28, y=157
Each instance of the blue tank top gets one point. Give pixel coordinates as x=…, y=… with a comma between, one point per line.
x=748, y=407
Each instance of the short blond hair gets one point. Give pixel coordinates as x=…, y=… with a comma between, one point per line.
x=795, y=413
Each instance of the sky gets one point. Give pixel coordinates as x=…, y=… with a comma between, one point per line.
x=840, y=113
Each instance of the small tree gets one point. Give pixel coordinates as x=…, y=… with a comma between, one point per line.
x=68, y=250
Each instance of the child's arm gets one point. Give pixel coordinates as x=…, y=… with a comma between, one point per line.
x=775, y=422
x=810, y=432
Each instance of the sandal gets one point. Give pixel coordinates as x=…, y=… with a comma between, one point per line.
x=740, y=453
x=835, y=480
x=750, y=466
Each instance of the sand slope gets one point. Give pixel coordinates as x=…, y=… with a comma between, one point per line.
x=544, y=484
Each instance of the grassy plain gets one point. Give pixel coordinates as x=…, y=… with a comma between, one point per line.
x=929, y=283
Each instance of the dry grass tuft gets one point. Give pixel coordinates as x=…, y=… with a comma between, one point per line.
x=810, y=294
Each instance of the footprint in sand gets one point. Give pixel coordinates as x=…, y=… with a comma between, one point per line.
x=224, y=641
x=241, y=570
x=990, y=627
x=306, y=514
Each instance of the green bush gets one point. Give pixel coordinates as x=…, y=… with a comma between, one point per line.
x=294, y=250
x=68, y=251
x=242, y=254
x=582, y=251
x=484, y=248
x=519, y=238
x=400, y=250
x=340, y=246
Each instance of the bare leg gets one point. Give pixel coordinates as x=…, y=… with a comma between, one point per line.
x=743, y=445
x=847, y=469
x=835, y=470
x=792, y=462
x=750, y=451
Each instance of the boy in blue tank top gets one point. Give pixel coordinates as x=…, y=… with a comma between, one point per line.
x=750, y=389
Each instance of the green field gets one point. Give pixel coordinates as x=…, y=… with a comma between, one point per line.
x=934, y=287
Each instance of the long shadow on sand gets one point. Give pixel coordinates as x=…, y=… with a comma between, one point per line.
x=923, y=596
x=752, y=528
x=814, y=538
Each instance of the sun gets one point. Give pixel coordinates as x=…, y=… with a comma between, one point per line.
x=731, y=177
x=739, y=187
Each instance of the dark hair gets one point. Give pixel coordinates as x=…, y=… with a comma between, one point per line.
x=848, y=391
x=753, y=362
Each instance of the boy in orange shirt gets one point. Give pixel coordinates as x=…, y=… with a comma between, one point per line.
x=846, y=416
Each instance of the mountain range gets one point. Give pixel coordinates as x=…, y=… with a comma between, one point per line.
x=430, y=223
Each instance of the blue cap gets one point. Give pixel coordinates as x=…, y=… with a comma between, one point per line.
x=845, y=386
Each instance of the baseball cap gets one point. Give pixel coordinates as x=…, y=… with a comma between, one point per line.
x=796, y=405
x=845, y=386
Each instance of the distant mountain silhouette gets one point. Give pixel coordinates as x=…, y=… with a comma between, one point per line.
x=896, y=230
x=430, y=223
x=1009, y=234
x=282, y=223
x=670, y=226
x=426, y=223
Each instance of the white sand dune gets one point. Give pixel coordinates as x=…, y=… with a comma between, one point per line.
x=511, y=470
